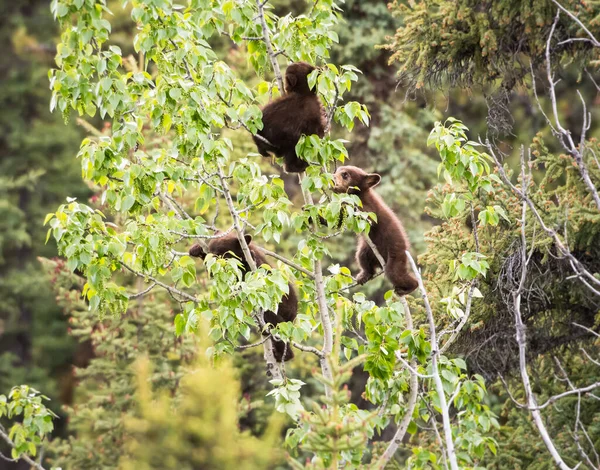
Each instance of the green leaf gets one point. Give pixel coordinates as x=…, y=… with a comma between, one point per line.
x=48, y=217
x=127, y=203
x=412, y=428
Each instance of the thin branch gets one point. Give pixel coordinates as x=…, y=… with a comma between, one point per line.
x=253, y=345
x=564, y=135
x=205, y=237
x=286, y=261
x=410, y=405
x=593, y=361
x=510, y=395
x=332, y=109
x=435, y=353
x=589, y=330
x=570, y=40
x=179, y=207
x=322, y=305
x=172, y=290
x=7, y=459
x=412, y=369
x=267, y=40
x=521, y=333
x=456, y=331
x=375, y=251
x=24, y=457
x=574, y=391
x=169, y=202
x=578, y=424
x=272, y=365
x=578, y=21
x=582, y=273
x=142, y=293
x=309, y=349
x=245, y=38
x=463, y=321
x=590, y=76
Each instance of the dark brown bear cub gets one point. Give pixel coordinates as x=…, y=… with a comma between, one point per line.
x=387, y=232
x=285, y=119
x=229, y=246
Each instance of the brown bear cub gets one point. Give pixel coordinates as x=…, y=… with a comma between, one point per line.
x=387, y=232
x=228, y=247
x=285, y=119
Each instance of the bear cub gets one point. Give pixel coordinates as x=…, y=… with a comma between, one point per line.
x=387, y=233
x=229, y=246
x=285, y=119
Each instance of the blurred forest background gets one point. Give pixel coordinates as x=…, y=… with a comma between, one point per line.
x=49, y=340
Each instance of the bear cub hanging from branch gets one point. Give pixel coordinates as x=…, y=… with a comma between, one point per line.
x=229, y=246
x=387, y=233
x=285, y=119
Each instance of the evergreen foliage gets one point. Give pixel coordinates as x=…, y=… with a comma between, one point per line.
x=107, y=385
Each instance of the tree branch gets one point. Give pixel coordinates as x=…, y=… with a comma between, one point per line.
x=286, y=261
x=582, y=273
x=522, y=338
x=435, y=353
x=564, y=135
x=172, y=290
x=267, y=40
x=322, y=304
x=578, y=21
x=272, y=365
x=24, y=457
x=410, y=405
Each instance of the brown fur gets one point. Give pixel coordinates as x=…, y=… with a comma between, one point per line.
x=387, y=233
x=285, y=119
x=229, y=246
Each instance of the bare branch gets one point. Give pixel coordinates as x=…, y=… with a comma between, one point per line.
x=582, y=273
x=309, y=349
x=463, y=321
x=253, y=345
x=589, y=330
x=578, y=21
x=144, y=292
x=412, y=369
x=563, y=134
x=522, y=339
x=169, y=203
x=574, y=391
x=590, y=76
x=178, y=206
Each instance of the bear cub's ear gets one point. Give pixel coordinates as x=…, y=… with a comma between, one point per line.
x=372, y=180
x=291, y=80
x=248, y=238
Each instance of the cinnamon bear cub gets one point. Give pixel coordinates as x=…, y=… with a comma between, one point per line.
x=285, y=119
x=387, y=232
x=229, y=246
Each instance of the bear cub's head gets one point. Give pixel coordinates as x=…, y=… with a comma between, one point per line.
x=354, y=180
x=223, y=246
x=296, y=78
